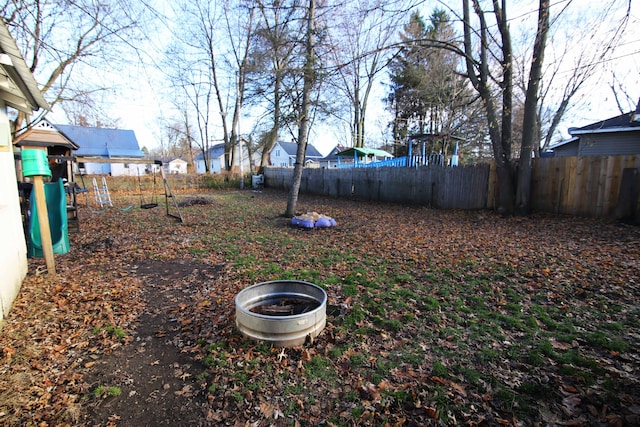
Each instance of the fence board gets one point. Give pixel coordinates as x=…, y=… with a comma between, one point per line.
x=587, y=186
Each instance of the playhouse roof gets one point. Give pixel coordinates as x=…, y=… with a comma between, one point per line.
x=43, y=134
x=20, y=89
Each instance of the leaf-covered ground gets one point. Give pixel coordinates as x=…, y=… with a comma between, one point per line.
x=434, y=318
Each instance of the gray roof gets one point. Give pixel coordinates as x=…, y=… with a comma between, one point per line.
x=622, y=123
x=291, y=149
x=102, y=142
x=213, y=152
x=21, y=91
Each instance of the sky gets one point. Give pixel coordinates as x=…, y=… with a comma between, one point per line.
x=138, y=100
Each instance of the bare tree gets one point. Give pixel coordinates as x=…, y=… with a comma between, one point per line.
x=239, y=22
x=360, y=53
x=523, y=190
x=303, y=127
x=272, y=67
x=200, y=95
x=490, y=70
x=624, y=100
x=61, y=40
x=85, y=111
x=572, y=66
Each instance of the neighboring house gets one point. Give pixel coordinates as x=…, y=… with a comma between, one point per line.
x=175, y=166
x=18, y=90
x=284, y=154
x=215, y=157
x=332, y=159
x=616, y=136
x=111, y=148
x=217, y=162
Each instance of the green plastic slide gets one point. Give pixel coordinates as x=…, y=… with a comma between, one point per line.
x=57, y=210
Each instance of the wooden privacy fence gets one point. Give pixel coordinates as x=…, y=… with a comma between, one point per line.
x=583, y=186
x=445, y=188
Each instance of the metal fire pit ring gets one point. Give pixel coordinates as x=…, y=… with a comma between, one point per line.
x=262, y=312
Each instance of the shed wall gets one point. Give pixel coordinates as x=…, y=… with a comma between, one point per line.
x=13, y=248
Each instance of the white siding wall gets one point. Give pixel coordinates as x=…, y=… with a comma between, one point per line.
x=215, y=165
x=177, y=166
x=13, y=248
x=128, y=169
x=279, y=157
x=113, y=169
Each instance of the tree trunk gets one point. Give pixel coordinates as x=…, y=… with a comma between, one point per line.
x=309, y=76
x=479, y=75
x=523, y=193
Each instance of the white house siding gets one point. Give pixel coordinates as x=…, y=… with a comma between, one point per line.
x=128, y=169
x=88, y=168
x=177, y=166
x=215, y=165
x=113, y=169
x=279, y=157
x=13, y=248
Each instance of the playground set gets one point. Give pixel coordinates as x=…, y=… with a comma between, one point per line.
x=49, y=207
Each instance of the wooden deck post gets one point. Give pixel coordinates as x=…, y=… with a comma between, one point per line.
x=43, y=221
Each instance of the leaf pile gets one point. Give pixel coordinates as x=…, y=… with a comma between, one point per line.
x=434, y=317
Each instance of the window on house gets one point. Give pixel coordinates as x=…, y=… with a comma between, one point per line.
x=278, y=153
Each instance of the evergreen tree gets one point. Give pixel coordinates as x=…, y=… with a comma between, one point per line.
x=428, y=93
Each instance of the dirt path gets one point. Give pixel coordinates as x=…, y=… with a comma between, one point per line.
x=158, y=382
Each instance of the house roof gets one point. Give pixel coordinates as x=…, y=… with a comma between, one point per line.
x=214, y=152
x=43, y=135
x=102, y=142
x=563, y=143
x=364, y=152
x=17, y=86
x=291, y=148
x=622, y=123
x=333, y=154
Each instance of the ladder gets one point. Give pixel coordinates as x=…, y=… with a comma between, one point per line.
x=101, y=194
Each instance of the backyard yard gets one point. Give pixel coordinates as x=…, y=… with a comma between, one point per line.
x=433, y=318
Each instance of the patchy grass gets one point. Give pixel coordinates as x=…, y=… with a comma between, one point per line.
x=436, y=317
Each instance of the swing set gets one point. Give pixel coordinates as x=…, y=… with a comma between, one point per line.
x=168, y=194
x=103, y=198
x=153, y=201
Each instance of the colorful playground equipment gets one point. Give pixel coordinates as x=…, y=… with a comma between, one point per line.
x=48, y=227
x=55, y=197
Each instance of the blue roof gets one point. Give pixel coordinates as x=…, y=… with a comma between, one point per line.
x=214, y=152
x=102, y=142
